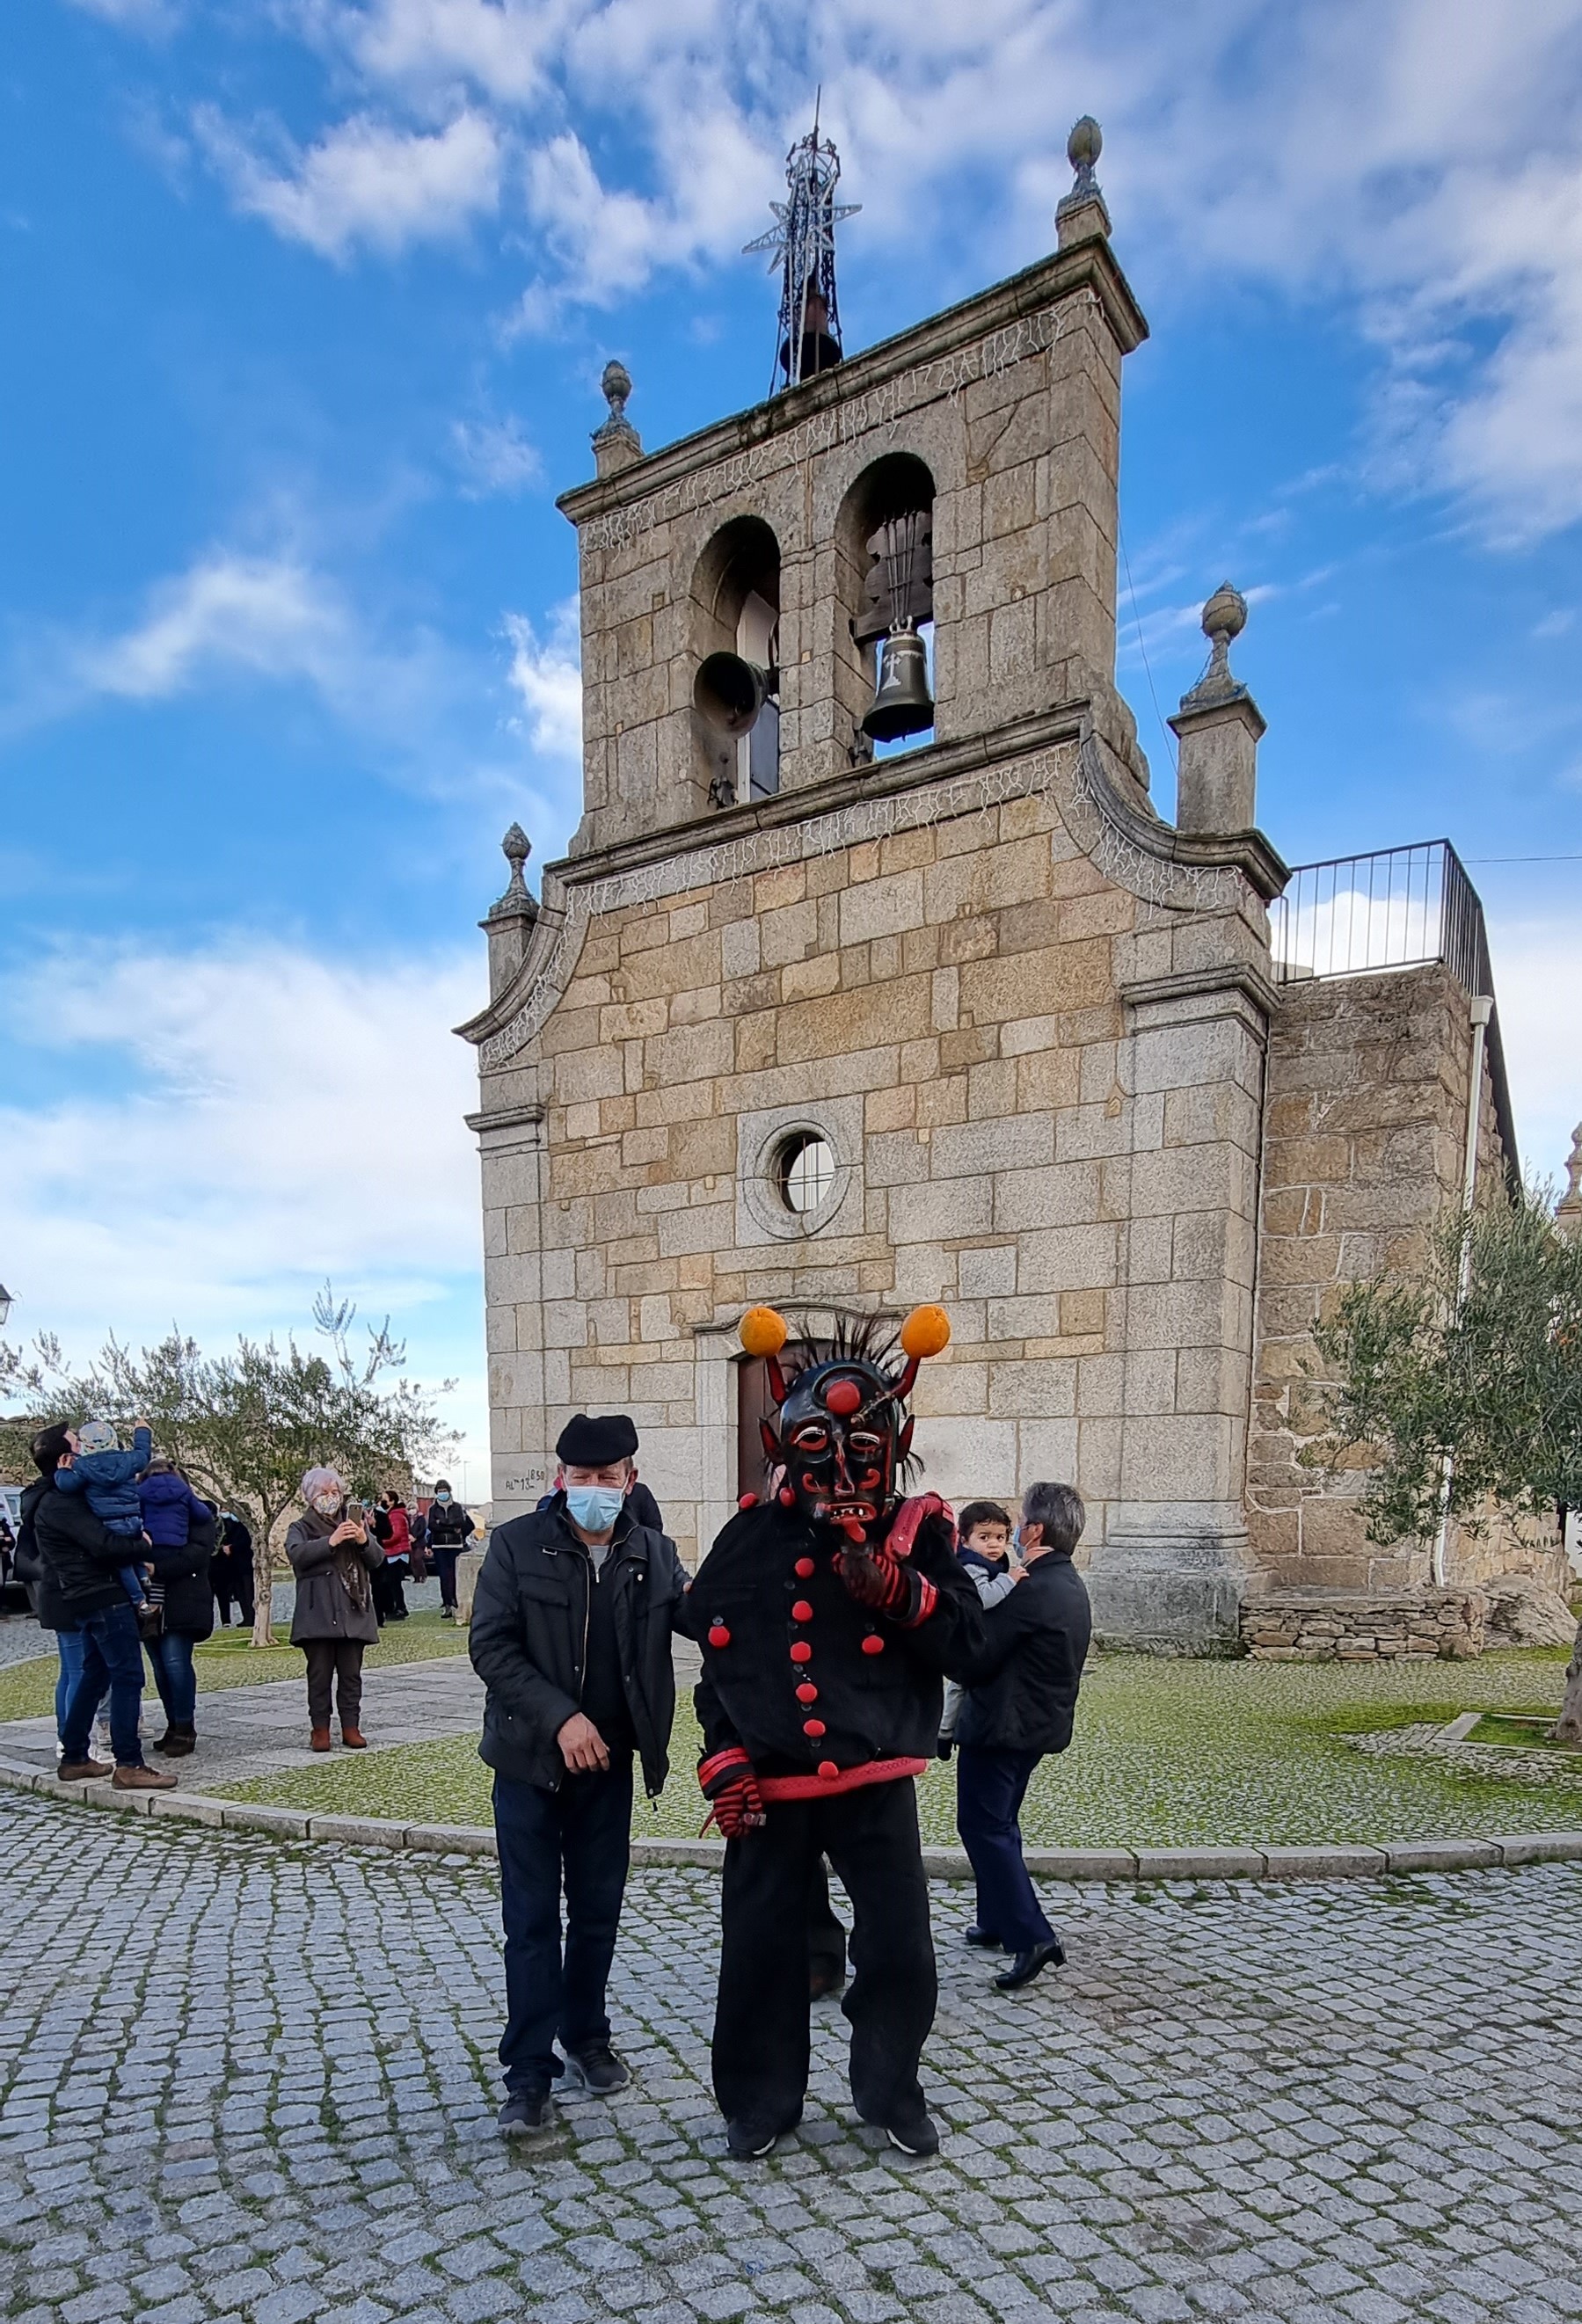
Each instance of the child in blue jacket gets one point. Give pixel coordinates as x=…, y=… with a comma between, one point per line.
x=109, y=1477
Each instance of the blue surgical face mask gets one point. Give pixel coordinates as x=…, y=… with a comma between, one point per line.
x=443, y=1499
x=595, y=1508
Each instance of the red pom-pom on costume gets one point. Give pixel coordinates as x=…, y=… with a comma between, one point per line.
x=843, y=1397
x=873, y=1645
x=802, y=1612
x=801, y=1651
x=827, y=1770
x=748, y=1501
x=718, y=1636
x=787, y=1497
x=806, y=1692
x=814, y=1726
x=804, y=1569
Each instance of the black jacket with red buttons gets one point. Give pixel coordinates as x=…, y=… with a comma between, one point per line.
x=769, y=1586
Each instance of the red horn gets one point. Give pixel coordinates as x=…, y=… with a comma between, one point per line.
x=778, y=1387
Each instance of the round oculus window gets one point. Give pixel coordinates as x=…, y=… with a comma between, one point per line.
x=804, y=1171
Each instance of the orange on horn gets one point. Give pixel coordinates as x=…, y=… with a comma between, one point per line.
x=764, y=1331
x=925, y=1332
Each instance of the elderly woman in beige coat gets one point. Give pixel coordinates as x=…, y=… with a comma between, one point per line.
x=333, y=1555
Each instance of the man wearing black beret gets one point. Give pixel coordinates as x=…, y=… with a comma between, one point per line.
x=571, y=1634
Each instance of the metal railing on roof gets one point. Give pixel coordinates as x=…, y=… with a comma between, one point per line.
x=1398, y=907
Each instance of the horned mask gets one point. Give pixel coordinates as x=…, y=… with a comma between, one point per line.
x=841, y=1431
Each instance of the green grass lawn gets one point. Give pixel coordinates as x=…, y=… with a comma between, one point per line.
x=1166, y=1753
x=27, y=1690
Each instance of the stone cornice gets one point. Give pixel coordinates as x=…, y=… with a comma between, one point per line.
x=1053, y=753
x=1089, y=267
x=1238, y=976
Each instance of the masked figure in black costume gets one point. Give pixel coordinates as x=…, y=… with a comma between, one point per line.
x=829, y=1618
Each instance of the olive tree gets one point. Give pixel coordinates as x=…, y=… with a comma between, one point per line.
x=1459, y=1386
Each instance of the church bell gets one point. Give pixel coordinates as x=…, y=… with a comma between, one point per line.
x=902, y=703
x=728, y=693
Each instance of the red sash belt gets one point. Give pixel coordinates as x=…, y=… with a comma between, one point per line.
x=846, y=1779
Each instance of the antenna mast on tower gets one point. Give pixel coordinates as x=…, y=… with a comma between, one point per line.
x=802, y=242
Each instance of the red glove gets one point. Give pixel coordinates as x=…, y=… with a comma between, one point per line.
x=886, y=1586
x=726, y=1781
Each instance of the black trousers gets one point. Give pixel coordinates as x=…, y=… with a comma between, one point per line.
x=340, y=1659
x=990, y=1787
x=231, y=1583
x=761, y=2024
x=389, y=1595
x=580, y=1834
x=445, y=1567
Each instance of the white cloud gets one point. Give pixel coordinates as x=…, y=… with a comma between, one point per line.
x=269, y=1118
x=270, y=615
x=493, y=456
x=547, y=676
x=365, y=182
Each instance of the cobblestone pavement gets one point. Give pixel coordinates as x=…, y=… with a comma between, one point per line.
x=241, y=2082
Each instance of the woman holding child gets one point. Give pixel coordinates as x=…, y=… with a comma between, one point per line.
x=179, y=1530
x=334, y=1555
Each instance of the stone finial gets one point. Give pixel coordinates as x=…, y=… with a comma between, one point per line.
x=1568, y=1214
x=511, y=921
x=1218, y=727
x=1081, y=215
x=616, y=445
x=1225, y=617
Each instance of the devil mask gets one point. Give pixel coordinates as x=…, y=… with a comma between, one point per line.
x=843, y=1433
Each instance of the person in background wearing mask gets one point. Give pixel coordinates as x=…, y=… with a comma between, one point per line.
x=334, y=1555
x=231, y=1570
x=571, y=1636
x=449, y=1529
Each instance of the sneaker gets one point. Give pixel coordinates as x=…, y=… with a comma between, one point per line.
x=448, y=1613
x=916, y=2135
x=83, y=1771
x=1050, y=1954
x=597, y=2070
x=750, y=2141
x=141, y=1779
x=526, y=2111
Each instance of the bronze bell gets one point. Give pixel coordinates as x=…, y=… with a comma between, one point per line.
x=902, y=703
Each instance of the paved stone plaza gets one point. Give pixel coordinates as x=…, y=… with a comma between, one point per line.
x=244, y=2082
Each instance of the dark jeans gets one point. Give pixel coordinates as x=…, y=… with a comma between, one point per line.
x=990, y=1786
x=761, y=2034
x=69, y=1648
x=340, y=1659
x=445, y=1567
x=581, y=1834
x=171, y=1658
x=112, y=1657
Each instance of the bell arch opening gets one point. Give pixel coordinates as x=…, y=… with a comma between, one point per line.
x=735, y=658
x=885, y=556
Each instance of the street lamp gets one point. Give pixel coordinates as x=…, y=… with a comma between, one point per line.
x=4, y=1306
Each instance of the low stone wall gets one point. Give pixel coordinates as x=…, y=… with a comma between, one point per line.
x=1364, y=1626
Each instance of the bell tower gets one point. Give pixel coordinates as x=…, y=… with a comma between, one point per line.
x=871, y=976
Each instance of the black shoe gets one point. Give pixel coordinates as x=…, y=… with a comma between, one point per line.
x=916, y=2135
x=524, y=2111
x=178, y=1741
x=982, y=1939
x=1050, y=1954
x=751, y=2141
x=597, y=2070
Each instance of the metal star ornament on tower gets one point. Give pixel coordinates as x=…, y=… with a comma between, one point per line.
x=801, y=242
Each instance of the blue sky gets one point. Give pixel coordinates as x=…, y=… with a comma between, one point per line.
x=306, y=302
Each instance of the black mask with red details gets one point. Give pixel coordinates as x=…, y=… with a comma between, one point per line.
x=843, y=1433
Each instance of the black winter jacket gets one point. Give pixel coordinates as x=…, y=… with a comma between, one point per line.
x=449, y=1527
x=76, y=1556
x=181, y=1572
x=883, y=1704
x=529, y=1640
x=1021, y=1691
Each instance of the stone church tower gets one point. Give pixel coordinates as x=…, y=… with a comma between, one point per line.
x=842, y=1029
